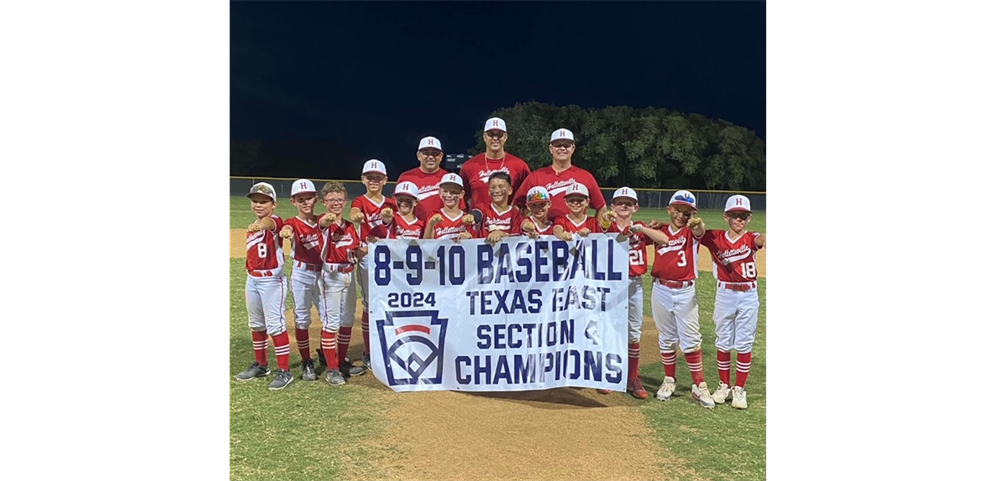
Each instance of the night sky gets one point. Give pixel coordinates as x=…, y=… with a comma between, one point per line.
x=370, y=79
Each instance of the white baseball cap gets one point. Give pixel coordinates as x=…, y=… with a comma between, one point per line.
x=577, y=188
x=684, y=197
x=302, y=185
x=406, y=188
x=537, y=194
x=495, y=123
x=264, y=189
x=374, y=165
x=430, y=142
x=738, y=202
x=625, y=193
x=451, y=179
x=562, y=134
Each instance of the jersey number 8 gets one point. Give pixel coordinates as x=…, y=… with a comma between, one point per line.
x=261, y=250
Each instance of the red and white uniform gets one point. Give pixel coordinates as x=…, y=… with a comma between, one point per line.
x=557, y=185
x=476, y=174
x=265, y=286
x=737, y=304
x=450, y=227
x=429, y=200
x=548, y=230
x=568, y=224
x=508, y=220
x=305, y=281
x=637, y=267
x=400, y=228
x=373, y=225
x=338, y=291
x=675, y=302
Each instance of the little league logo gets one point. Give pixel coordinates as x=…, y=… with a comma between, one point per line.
x=412, y=344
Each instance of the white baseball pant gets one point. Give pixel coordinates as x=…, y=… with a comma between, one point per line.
x=305, y=285
x=736, y=318
x=338, y=292
x=266, y=299
x=675, y=312
x=635, y=309
x=363, y=278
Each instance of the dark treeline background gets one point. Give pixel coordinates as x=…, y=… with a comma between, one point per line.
x=649, y=147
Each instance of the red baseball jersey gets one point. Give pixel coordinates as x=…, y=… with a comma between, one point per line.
x=637, y=249
x=264, y=250
x=508, y=220
x=732, y=260
x=557, y=185
x=542, y=231
x=305, y=244
x=340, y=242
x=373, y=225
x=449, y=227
x=572, y=227
x=677, y=260
x=429, y=201
x=476, y=174
x=401, y=229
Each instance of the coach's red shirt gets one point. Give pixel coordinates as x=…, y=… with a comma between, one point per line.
x=429, y=201
x=476, y=174
x=557, y=185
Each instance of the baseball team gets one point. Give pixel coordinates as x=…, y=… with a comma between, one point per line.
x=495, y=195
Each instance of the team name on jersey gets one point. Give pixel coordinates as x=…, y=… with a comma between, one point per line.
x=342, y=240
x=448, y=231
x=674, y=244
x=498, y=224
x=310, y=241
x=559, y=186
x=411, y=233
x=427, y=191
x=733, y=255
x=485, y=175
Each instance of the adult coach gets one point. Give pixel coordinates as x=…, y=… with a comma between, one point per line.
x=427, y=177
x=476, y=172
x=559, y=176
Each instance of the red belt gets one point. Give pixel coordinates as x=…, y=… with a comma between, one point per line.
x=260, y=273
x=309, y=267
x=676, y=284
x=738, y=286
x=341, y=267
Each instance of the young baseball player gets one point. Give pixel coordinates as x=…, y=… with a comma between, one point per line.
x=537, y=221
x=736, y=301
x=266, y=288
x=576, y=221
x=404, y=225
x=500, y=219
x=450, y=222
x=674, y=299
x=341, y=250
x=366, y=210
x=619, y=219
x=305, y=281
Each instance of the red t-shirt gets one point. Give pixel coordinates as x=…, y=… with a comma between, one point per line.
x=677, y=260
x=572, y=227
x=557, y=185
x=373, y=225
x=732, y=261
x=476, y=174
x=340, y=242
x=637, y=249
x=450, y=227
x=305, y=244
x=264, y=250
x=429, y=200
x=402, y=229
x=507, y=221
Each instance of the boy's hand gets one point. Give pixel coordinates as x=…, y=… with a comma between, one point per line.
x=695, y=222
x=584, y=232
x=286, y=232
x=762, y=240
x=255, y=227
x=608, y=216
x=435, y=219
x=358, y=217
x=468, y=219
x=528, y=226
x=495, y=236
x=387, y=215
x=566, y=236
x=464, y=235
x=372, y=239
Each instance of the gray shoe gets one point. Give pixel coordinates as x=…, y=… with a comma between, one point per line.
x=352, y=369
x=334, y=377
x=309, y=372
x=366, y=361
x=283, y=378
x=253, y=371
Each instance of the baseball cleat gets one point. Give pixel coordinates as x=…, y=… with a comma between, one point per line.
x=253, y=371
x=366, y=361
x=700, y=393
x=282, y=380
x=334, y=377
x=604, y=391
x=667, y=388
x=635, y=386
x=738, y=398
x=352, y=369
x=309, y=373
x=722, y=394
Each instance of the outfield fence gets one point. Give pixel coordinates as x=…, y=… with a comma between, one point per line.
x=653, y=198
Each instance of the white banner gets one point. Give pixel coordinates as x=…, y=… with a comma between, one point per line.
x=520, y=315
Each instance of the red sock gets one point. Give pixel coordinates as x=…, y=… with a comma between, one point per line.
x=725, y=362
x=694, y=365
x=281, y=344
x=669, y=364
x=743, y=361
x=303, y=344
x=633, y=360
x=345, y=335
x=366, y=333
x=259, y=346
x=328, y=347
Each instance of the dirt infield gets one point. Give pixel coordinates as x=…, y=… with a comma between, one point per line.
x=573, y=433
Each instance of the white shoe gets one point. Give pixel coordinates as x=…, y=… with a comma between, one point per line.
x=667, y=389
x=700, y=393
x=722, y=394
x=738, y=398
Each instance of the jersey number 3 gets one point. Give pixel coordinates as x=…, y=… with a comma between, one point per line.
x=684, y=259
